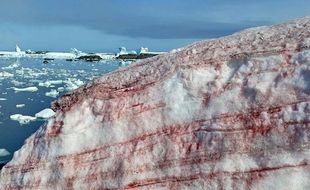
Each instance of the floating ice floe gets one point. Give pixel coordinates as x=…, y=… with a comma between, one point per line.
x=22, y=119
x=12, y=66
x=28, y=89
x=3, y=99
x=60, y=89
x=72, y=84
x=49, y=83
x=45, y=114
x=4, y=75
x=30, y=73
x=20, y=105
x=17, y=83
x=53, y=93
x=4, y=152
x=25, y=119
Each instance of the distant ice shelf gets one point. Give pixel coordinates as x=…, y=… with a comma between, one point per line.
x=50, y=55
x=75, y=54
x=46, y=55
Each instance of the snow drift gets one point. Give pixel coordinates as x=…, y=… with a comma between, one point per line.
x=230, y=113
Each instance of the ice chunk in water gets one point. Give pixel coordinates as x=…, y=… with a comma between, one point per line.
x=45, y=114
x=20, y=105
x=4, y=152
x=28, y=89
x=4, y=75
x=53, y=93
x=22, y=119
x=50, y=83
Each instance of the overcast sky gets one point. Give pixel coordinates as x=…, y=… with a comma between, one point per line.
x=105, y=25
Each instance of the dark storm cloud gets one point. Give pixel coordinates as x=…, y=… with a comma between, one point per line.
x=157, y=24
x=152, y=19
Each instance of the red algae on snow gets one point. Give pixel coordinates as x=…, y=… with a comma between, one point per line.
x=229, y=113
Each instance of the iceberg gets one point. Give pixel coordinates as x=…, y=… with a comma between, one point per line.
x=17, y=49
x=77, y=52
x=143, y=50
x=122, y=51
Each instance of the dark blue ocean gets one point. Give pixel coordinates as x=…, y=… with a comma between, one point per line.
x=58, y=76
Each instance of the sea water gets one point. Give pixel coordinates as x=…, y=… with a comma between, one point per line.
x=28, y=86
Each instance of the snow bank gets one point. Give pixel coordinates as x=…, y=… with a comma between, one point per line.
x=231, y=113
